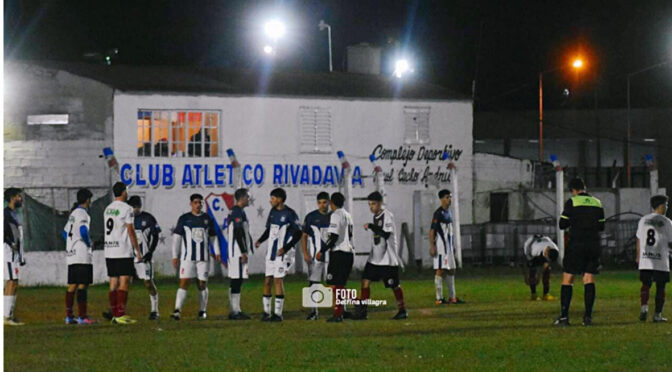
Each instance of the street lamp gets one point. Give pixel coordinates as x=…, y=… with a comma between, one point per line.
x=401, y=67
x=268, y=49
x=322, y=25
x=576, y=64
x=274, y=29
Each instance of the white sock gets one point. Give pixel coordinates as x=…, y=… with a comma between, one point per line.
x=267, y=304
x=154, y=301
x=279, y=302
x=315, y=311
x=179, y=299
x=10, y=301
x=450, y=281
x=235, y=302
x=438, y=286
x=645, y=308
x=203, y=296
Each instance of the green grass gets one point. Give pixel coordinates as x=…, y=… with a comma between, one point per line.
x=498, y=329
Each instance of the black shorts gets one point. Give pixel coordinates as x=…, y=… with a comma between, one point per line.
x=537, y=261
x=389, y=274
x=80, y=274
x=582, y=258
x=650, y=276
x=340, y=265
x=120, y=267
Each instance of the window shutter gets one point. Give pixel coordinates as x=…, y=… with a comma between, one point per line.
x=416, y=124
x=315, y=130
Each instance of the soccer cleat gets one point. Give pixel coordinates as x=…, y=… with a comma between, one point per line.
x=587, y=321
x=312, y=316
x=535, y=297
x=13, y=322
x=107, y=315
x=548, y=297
x=239, y=316
x=176, y=315
x=335, y=319
x=153, y=315
x=402, y=314
x=457, y=301
x=70, y=320
x=643, y=315
x=202, y=315
x=86, y=320
x=275, y=318
x=266, y=317
x=347, y=315
x=124, y=319
x=441, y=302
x=658, y=318
x=561, y=322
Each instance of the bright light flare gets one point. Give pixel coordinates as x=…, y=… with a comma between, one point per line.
x=401, y=67
x=274, y=29
x=268, y=49
x=578, y=63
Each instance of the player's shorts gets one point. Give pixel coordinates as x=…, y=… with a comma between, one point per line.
x=650, y=276
x=80, y=274
x=144, y=270
x=317, y=271
x=237, y=269
x=119, y=267
x=339, y=267
x=537, y=261
x=388, y=274
x=279, y=267
x=12, y=270
x=582, y=258
x=444, y=261
x=194, y=269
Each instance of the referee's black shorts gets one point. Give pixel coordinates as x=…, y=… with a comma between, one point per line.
x=120, y=267
x=80, y=274
x=388, y=274
x=582, y=257
x=649, y=276
x=340, y=265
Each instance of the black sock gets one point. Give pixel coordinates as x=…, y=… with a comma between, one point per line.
x=660, y=297
x=533, y=288
x=589, y=298
x=565, y=300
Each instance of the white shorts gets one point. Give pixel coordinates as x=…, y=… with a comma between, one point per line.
x=194, y=269
x=444, y=261
x=317, y=271
x=144, y=271
x=12, y=270
x=279, y=267
x=237, y=269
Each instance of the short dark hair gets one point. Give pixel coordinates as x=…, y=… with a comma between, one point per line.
x=134, y=201
x=195, y=196
x=83, y=195
x=338, y=199
x=577, y=184
x=443, y=193
x=375, y=196
x=240, y=193
x=279, y=193
x=323, y=196
x=11, y=192
x=553, y=255
x=658, y=200
x=118, y=189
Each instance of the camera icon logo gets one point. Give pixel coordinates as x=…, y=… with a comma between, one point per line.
x=317, y=295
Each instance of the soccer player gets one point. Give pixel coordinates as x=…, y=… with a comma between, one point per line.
x=240, y=243
x=441, y=248
x=315, y=227
x=584, y=217
x=120, y=243
x=384, y=260
x=147, y=231
x=340, y=248
x=13, y=239
x=540, y=251
x=78, y=256
x=192, y=236
x=283, y=231
x=654, y=241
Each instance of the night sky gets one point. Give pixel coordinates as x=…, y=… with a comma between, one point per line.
x=503, y=44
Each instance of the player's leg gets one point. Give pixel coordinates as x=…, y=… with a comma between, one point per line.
x=70, y=301
x=122, y=294
x=112, y=297
x=439, y=276
x=647, y=280
x=450, y=282
x=532, y=279
x=391, y=279
x=660, y=298
x=203, y=294
x=180, y=297
x=82, y=304
x=546, y=282
x=315, y=270
x=362, y=310
x=565, y=298
x=266, y=299
x=147, y=275
x=588, y=297
x=279, y=285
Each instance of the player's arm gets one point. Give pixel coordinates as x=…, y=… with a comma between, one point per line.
x=601, y=220
x=379, y=230
x=64, y=235
x=566, y=216
x=134, y=240
x=527, y=248
x=637, y=252
x=8, y=236
x=84, y=233
x=178, y=232
x=334, y=225
x=432, y=234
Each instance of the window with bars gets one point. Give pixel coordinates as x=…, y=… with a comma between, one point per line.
x=416, y=125
x=315, y=130
x=179, y=133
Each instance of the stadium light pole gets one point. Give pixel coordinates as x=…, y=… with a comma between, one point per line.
x=322, y=25
x=274, y=30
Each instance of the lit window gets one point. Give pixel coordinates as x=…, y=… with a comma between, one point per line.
x=416, y=125
x=164, y=133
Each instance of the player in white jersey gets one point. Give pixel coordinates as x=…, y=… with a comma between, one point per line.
x=540, y=251
x=654, y=241
x=120, y=243
x=147, y=231
x=77, y=236
x=240, y=244
x=13, y=244
x=192, y=237
x=341, y=252
x=315, y=227
x=383, y=263
x=441, y=248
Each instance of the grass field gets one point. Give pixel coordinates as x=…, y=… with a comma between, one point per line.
x=498, y=329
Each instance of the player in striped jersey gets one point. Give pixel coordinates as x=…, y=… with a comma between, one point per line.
x=147, y=231
x=654, y=241
x=240, y=244
x=283, y=231
x=78, y=257
x=13, y=244
x=192, y=236
x=441, y=248
x=315, y=227
x=540, y=251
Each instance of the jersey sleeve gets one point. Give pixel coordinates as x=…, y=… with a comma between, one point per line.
x=179, y=228
x=306, y=225
x=155, y=224
x=237, y=219
x=268, y=220
x=127, y=217
x=388, y=226
x=640, y=229
x=334, y=223
x=212, y=231
x=436, y=220
x=566, y=216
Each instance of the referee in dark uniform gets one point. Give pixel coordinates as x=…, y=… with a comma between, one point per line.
x=584, y=217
